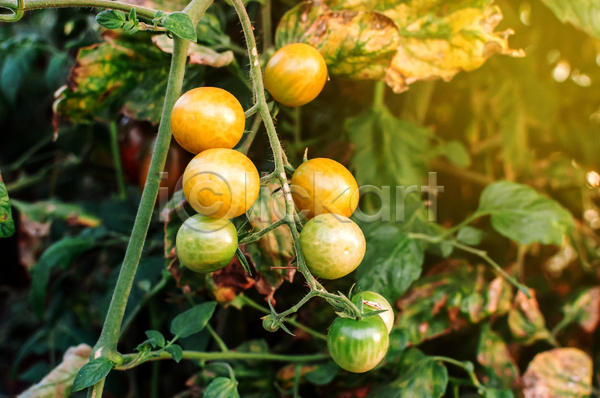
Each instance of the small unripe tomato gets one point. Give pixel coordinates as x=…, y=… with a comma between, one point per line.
x=357, y=346
x=323, y=185
x=221, y=183
x=207, y=117
x=205, y=244
x=333, y=246
x=295, y=74
x=376, y=302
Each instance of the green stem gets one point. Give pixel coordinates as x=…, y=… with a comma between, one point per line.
x=220, y=356
x=115, y=5
x=291, y=321
x=249, y=138
x=379, y=95
x=257, y=235
x=107, y=343
x=114, y=146
x=467, y=366
x=266, y=25
x=481, y=253
x=159, y=286
x=217, y=338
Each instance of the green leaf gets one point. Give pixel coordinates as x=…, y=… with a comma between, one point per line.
x=470, y=235
x=493, y=355
x=176, y=351
x=392, y=262
x=60, y=254
x=323, y=374
x=157, y=336
x=495, y=393
x=132, y=15
x=193, y=320
x=421, y=376
x=16, y=65
x=221, y=387
x=388, y=151
x=584, y=14
x=524, y=215
x=566, y=372
x=43, y=211
x=457, y=153
x=92, y=372
x=180, y=24
x=111, y=19
x=7, y=224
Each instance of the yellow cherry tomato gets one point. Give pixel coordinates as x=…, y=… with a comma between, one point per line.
x=333, y=246
x=206, y=118
x=322, y=186
x=221, y=183
x=296, y=74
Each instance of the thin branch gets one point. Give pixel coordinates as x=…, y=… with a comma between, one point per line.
x=215, y=356
x=115, y=5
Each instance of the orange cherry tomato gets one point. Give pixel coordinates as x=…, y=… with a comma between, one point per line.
x=296, y=74
x=323, y=185
x=206, y=118
x=221, y=183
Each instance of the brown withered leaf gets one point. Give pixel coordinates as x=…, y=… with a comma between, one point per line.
x=57, y=383
x=400, y=42
x=585, y=309
x=526, y=322
x=440, y=303
x=358, y=45
x=559, y=373
x=276, y=246
x=31, y=236
x=198, y=54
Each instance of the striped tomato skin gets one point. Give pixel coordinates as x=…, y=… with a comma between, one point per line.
x=357, y=346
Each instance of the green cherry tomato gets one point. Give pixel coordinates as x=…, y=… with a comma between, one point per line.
x=357, y=346
x=206, y=244
x=376, y=302
x=333, y=245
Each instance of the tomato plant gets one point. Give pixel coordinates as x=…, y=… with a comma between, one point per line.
x=295, y=74
x=221, y=183
x=357, y=345
x=206, y=118
x=470, y=269
x=205, y=244
x=324, y=186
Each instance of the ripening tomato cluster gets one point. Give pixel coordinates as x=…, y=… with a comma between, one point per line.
x=221, y=183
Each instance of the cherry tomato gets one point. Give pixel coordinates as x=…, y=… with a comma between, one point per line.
x=323, y=185
x=207, y=117
x=333, y=246
x=376, y=302
x=206, y=244
x=296, y=74
x=357, y=346
x=221, y=183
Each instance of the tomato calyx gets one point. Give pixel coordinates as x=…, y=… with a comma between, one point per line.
x=273, y=322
